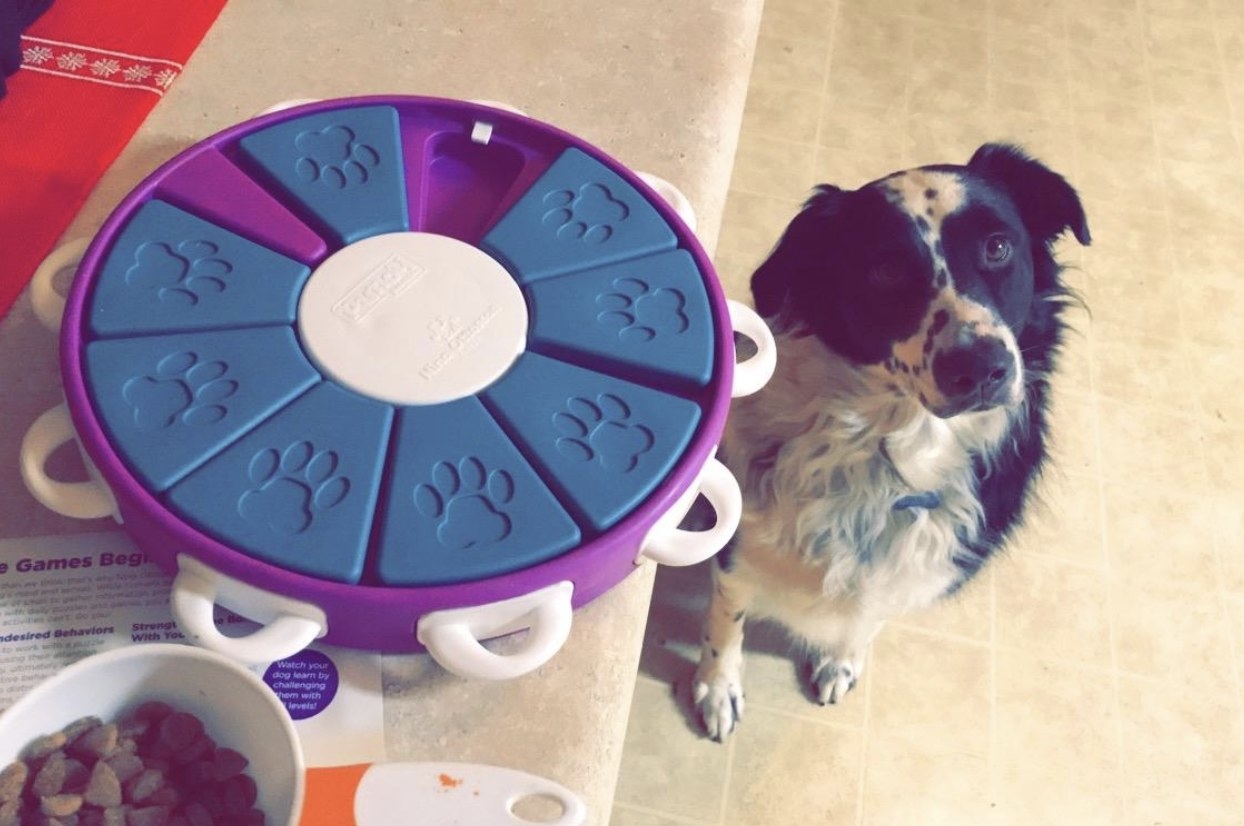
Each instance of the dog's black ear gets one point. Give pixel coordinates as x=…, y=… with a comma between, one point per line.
x=798, y=253
x=1046, y=202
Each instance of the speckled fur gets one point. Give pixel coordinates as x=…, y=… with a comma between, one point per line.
x=825, y=451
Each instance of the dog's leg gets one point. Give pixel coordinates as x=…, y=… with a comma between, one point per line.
x=834, y=662
x=718, y=688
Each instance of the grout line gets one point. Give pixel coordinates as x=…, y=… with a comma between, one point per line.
x=861, y=776
x=644, y=810
x=823, y=105
x=727, y=776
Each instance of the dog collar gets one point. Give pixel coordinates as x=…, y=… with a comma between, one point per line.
x=928, y=500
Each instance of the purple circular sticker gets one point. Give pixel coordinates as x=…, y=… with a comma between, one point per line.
x=306, y=682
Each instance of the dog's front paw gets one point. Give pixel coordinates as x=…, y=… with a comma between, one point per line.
x=830, y=678
x=718, y=701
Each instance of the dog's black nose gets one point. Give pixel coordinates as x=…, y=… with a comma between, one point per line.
x=975, y=373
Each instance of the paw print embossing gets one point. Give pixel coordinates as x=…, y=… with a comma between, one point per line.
x=587, y=215
x=292, y=487
x=334, y=157
x=183, y=388
x=600, y=430
x=180, y=275
x=640, y=313
x=468, y=501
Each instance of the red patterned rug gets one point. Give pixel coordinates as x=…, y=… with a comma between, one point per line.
x=91, y=72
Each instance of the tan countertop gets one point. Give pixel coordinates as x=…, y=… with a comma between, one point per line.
x=659, y=85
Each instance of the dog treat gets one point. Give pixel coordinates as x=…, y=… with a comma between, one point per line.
x=155, y=767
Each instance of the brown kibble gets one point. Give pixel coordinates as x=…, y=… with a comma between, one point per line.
x=60, y=805
x=251, y=817
x=125, y=765
x=50, y=778
x=148, y=816
x=200, y=748
x=115, y=816
x=133, y=728
x=76, y=776
x=79, y=727
x=196, y=814
x=238, y=794
x=96, y=742
x=153, y=711
x=144, y=785
x=104, y=787
x=13, y=780
x=166, y=795
x=196, y=774
x=229, y=763
x=11, y=813
x=41, y=747
x=179, y=730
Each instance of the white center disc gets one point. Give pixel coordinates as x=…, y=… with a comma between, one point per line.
x=412, y=318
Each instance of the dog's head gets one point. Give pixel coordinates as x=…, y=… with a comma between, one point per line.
x=930, y=274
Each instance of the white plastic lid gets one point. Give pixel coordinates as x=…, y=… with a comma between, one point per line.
x=412, y=318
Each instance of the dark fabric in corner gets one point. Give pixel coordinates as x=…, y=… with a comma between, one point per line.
x=15, y=17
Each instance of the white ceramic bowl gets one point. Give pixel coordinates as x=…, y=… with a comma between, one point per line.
x=238, y=710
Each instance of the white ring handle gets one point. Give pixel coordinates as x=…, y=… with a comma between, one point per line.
x=78, y=500
x=673, y=196
x=288, y=626
x=755, y=372
x=504, y=107
x=452, y=636
x=281, y=106
x=48, y=304
x=668, y=544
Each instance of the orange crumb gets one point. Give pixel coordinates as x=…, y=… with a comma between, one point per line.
x=448, y=782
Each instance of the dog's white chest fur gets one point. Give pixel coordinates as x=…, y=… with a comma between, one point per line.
x=821, y=477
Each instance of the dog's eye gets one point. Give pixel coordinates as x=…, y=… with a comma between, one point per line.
x=886, y=276
x=997, y=250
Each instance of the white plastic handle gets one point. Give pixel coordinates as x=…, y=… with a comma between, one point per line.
x=286, y=104
x=288, y=626
x=504, y=107
x=672, y=196
x=668, y=544
x=453, y=636
x=48, y=304
x=77, y=500
x=755, y=372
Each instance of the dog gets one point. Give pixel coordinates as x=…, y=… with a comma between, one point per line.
x=918, y=320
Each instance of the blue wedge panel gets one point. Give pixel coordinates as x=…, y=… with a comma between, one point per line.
x=344, y=167
x=642, y=317
x=170, y=271
x=601, y=443
x=579, y=214
x=169, y=403
x=300, y=490
x=463, y=504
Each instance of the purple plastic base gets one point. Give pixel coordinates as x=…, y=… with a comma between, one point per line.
x=444, y=170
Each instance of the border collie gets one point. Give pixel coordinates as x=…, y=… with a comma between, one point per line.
x=918, y=319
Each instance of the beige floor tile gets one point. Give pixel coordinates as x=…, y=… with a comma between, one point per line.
x=734, y=270
x=1224, y=456
x=968, y=613
x=852, y=169
x=1039, y=22
x=1041, y=706
x=927, y=688
x=626, y=816
x=1073, y=432
x=666, y=765
x=1148, y=810
x=1106, y=27
x=1052, y=609
x=863, y=126
x=1149, y=446
x=786, y=770
x=1149, y=371
x=1028, y=61
x=906, y=783
x=1129, y=241
x=929, y=140
x=1064, y=521
x=1179, y=9
x=1161, y=535
x=1209, y=142
x=806, y=19
x=785, y=112
x=774, y=681
x=785, y=61
x=1181, y=746
x=773, y=167
x=1211, y=308
x=752, y=224
x=1135, y=302
x=970, y=14
x=1165, y=625
x=1198, y=94
x=1229, y=545
x=1180, y=40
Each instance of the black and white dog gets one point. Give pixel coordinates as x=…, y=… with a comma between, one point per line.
x=918, y=319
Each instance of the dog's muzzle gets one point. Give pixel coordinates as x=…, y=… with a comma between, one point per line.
x=974, y=376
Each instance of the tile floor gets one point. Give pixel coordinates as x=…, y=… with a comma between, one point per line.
x=1094, y=674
